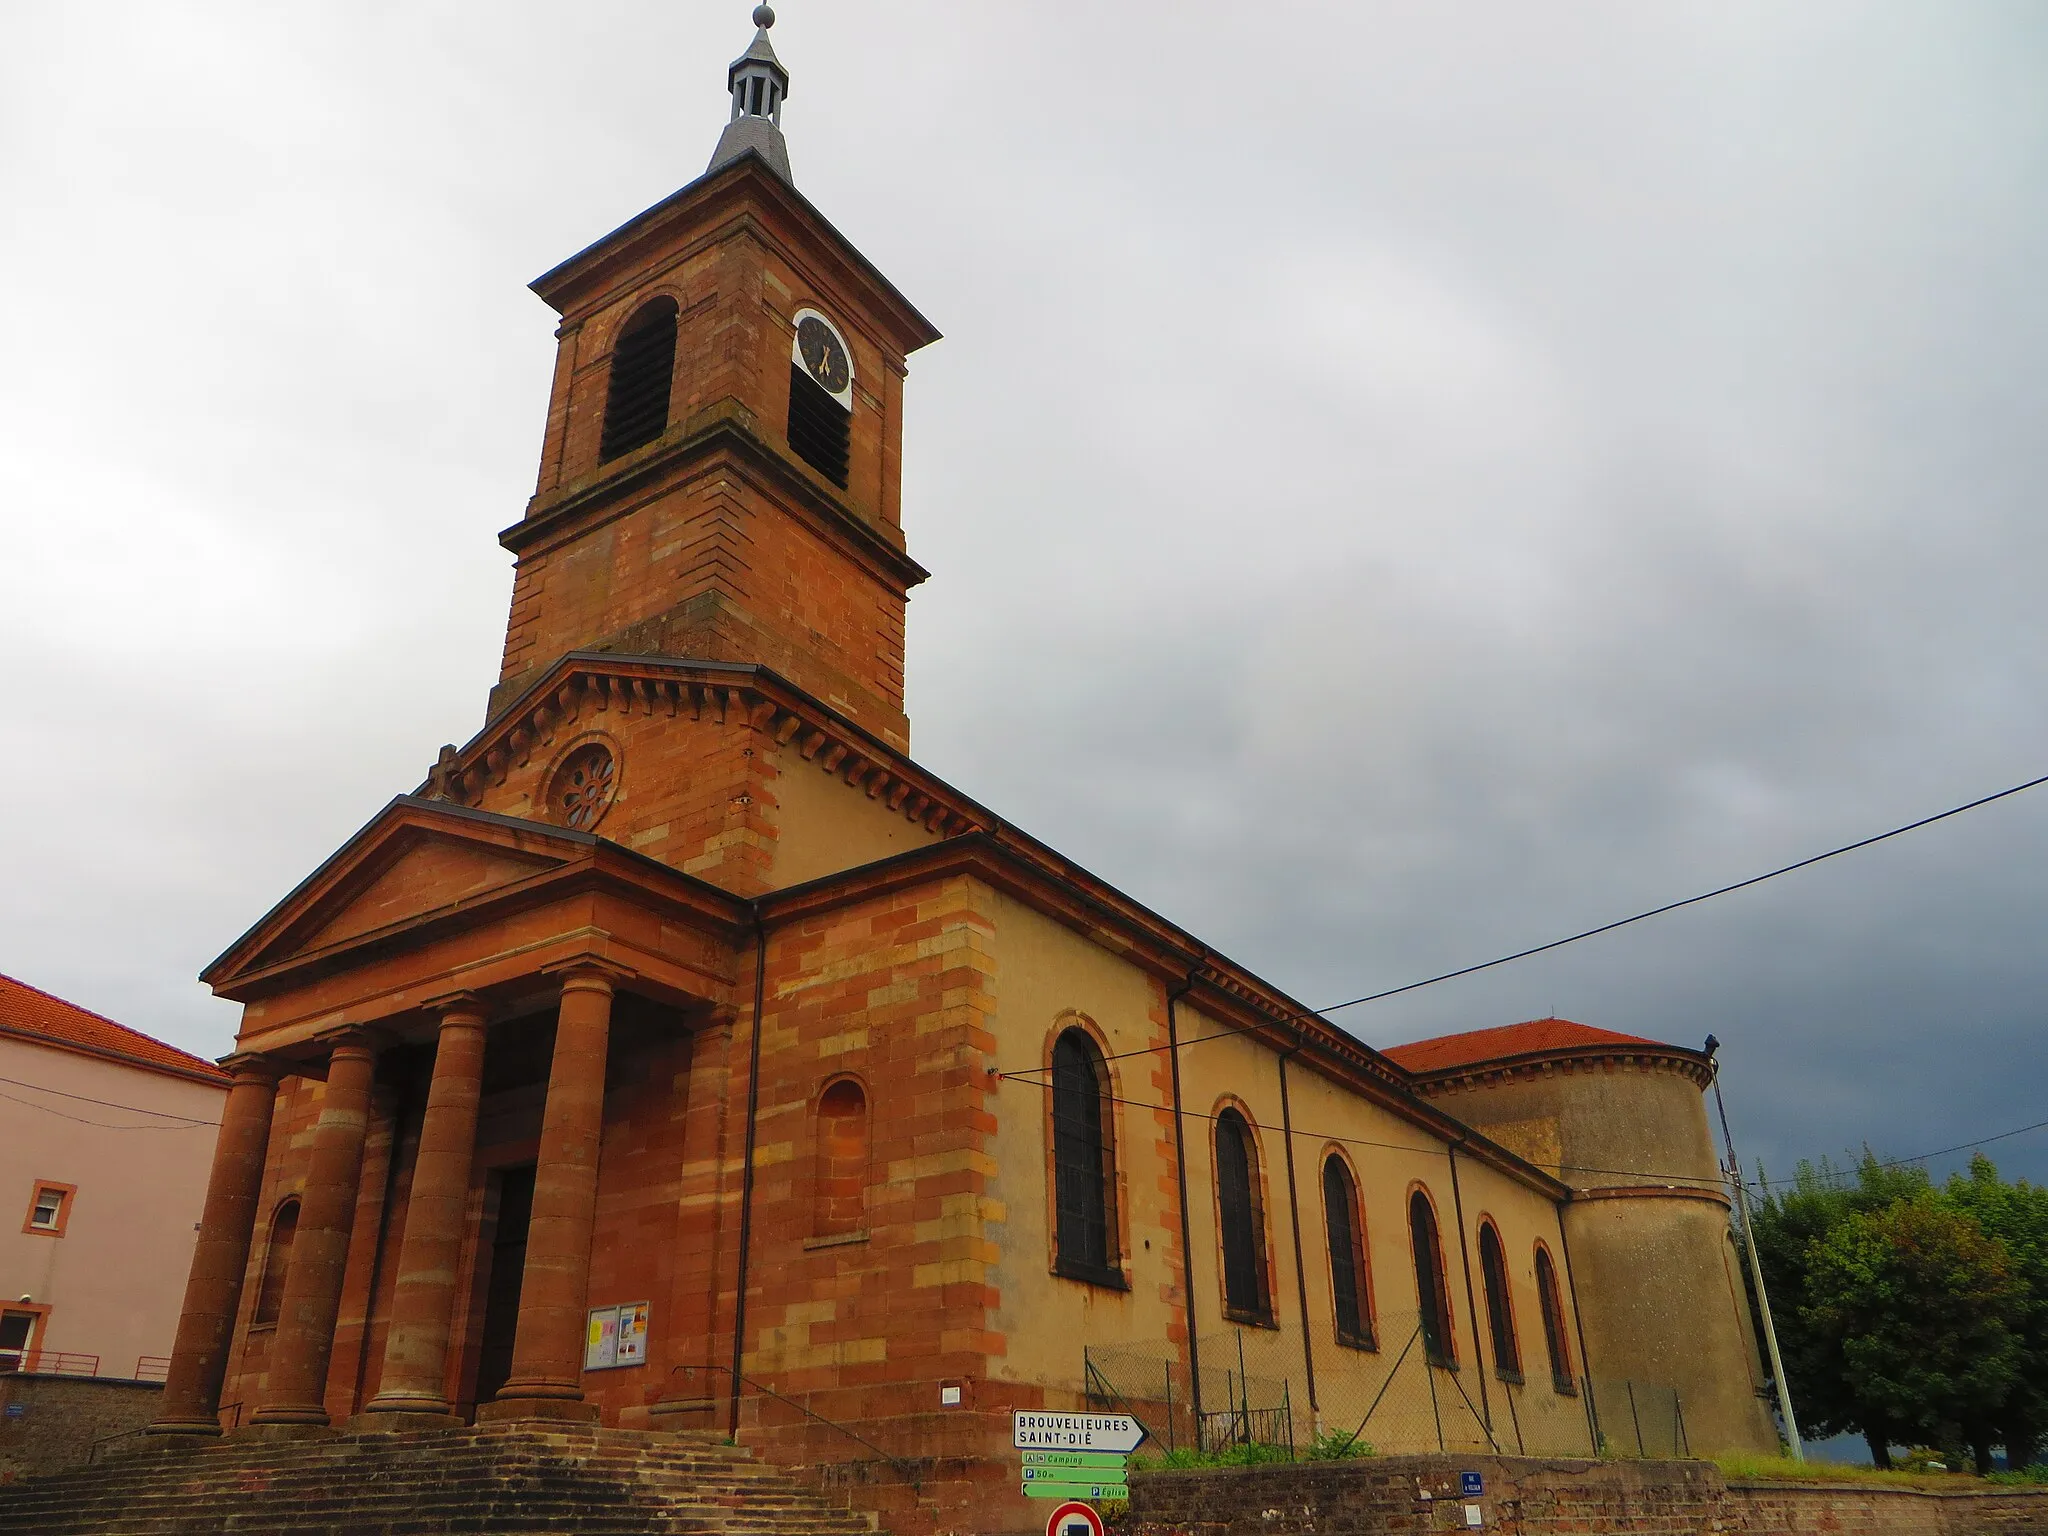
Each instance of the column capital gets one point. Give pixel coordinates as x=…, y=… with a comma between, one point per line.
x=254, y=1067
x=363, y=1038
x=590, y=973
x=445, y=1005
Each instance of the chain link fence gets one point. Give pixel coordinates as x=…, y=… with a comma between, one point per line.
x=1387, y=1395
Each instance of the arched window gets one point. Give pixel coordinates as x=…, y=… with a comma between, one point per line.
x=1349, y=1286
x=1500, y=1304
x=1244, y=1221
x=277, y=1261
x=1083, y=1163
x=1552, y=1304
x=840, y=1203
x=1432, y=1295
x=643, y=369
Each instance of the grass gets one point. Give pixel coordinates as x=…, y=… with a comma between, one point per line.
x=1782, y=1469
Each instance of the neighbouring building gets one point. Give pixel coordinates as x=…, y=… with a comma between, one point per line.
x=106, y=1136
x=680, y=1036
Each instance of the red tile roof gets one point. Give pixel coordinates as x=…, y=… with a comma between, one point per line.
x=29, y=1013
x=1447, y=1052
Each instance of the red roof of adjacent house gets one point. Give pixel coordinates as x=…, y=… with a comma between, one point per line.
x=1447, y=1052
x=29, y=1013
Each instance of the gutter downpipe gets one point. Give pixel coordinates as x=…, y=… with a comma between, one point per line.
x=739, y=1309
x=1471, y=1305
x=1180, y=1167
x=1308, y=1348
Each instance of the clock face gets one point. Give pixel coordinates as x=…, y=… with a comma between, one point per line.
x=824, y=356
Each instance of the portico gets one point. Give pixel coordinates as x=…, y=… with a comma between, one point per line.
x=396, y=1065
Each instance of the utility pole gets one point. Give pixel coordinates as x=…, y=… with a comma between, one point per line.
x=1756, y=1268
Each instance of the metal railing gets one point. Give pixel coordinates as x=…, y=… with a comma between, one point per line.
x=152, y=1367
x=1384, y=1393
x=48, y=1362
x=907, y=1470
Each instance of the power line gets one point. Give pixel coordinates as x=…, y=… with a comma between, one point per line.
x=1623, y=922
x=80, y=1098
x=189, y=1125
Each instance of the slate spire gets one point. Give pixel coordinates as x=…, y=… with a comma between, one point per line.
x=758, y=83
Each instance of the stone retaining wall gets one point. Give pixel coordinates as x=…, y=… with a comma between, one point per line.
x=1420, y=1495
x=49, y=1423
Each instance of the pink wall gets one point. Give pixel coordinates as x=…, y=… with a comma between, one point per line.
x=115, y=1280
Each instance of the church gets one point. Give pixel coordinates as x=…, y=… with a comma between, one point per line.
x=681, y=1055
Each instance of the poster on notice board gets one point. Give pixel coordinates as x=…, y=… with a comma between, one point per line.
x=616, y=1336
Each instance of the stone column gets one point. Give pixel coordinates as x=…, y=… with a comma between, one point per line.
x=415, y=1376
x=547, y=1347
x=304, y=1341
x=220, y=1258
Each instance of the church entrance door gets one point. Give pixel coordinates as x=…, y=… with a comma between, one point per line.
x=508, y=1265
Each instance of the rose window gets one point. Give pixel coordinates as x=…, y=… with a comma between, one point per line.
x=583, y=786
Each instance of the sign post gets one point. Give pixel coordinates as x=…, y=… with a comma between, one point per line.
x=1075, y=1456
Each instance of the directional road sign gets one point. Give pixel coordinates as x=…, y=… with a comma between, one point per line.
x=1077, y=1431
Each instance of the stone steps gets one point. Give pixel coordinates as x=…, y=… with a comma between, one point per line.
x=513, y=1478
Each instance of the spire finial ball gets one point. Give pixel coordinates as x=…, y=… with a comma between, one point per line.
x=764, y=15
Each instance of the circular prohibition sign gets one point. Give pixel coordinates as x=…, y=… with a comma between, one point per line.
x=1074, y=1518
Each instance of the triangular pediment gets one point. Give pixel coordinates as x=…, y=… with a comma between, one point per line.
x=417, y=859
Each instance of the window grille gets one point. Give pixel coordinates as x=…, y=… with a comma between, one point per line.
x=1244, y=1244
x=1346, y=1222
x=1430, y=1290
x=643, y=371
x=1500, y=1306
x=1085, y=1243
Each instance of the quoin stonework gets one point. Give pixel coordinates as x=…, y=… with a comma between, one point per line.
x=679, y=1050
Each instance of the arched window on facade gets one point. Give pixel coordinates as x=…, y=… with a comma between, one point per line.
x=840, y=1200
x=1245, y=1296
x=1350, y=1284
x=1432, y=1295
x=1551, y=1300
x=1085, y=1245
x=643, y=370
x=277, y=1260
x=1500, y=1304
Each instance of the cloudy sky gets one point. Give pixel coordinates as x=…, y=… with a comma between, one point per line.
x=1404, y=481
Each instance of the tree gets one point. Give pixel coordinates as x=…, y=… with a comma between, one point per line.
x=1922, y=1313
x=2016, y=1216
x=1787, y=1222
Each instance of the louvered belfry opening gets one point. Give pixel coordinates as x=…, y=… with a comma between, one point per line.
x=820, y=428
x=643, y=368
x=1084, y=1164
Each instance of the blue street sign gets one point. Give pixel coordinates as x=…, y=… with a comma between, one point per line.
x=1471, y=1484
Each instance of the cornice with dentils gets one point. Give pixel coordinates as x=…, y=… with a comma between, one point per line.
x=1586, y=1057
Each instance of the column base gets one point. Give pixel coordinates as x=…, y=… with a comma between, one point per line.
x=281, y=1434
x=183, y=1431
x=400, y=1421
x=560, y=1410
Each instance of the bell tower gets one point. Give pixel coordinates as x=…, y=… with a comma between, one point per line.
x=721, y=471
